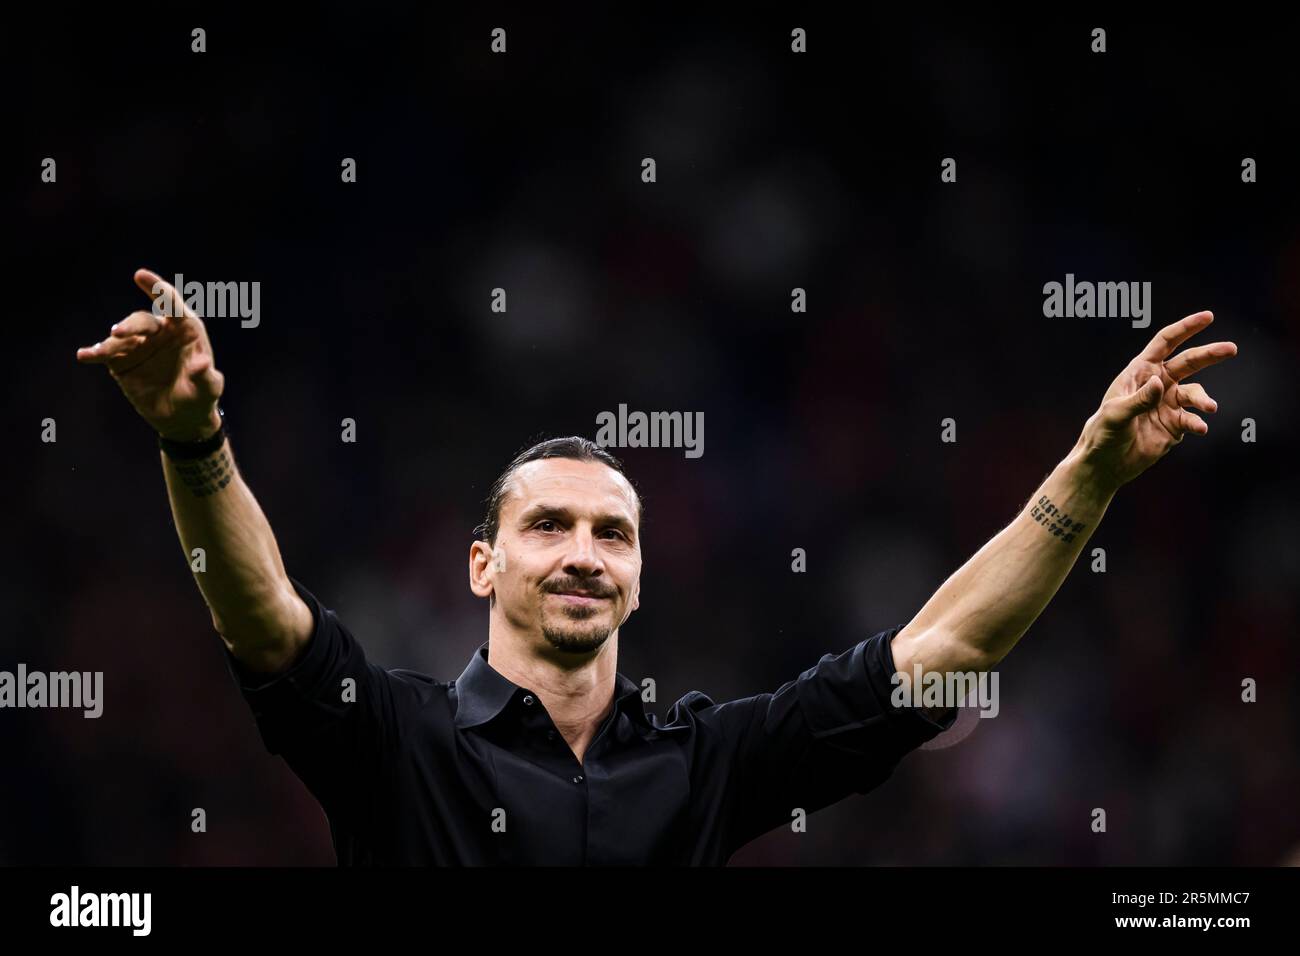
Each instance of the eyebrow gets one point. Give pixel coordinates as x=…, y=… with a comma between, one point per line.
x=560, y=513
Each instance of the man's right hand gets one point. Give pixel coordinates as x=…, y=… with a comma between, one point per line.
x=163, y=364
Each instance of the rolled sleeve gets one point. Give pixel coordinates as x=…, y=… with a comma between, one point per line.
x=832, y=732
x=331, y=715
x=832, y=697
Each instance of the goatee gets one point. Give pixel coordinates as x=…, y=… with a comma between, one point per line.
x=576, y=642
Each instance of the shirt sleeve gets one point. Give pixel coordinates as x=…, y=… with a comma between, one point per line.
x=830, y=733
x=332, y=716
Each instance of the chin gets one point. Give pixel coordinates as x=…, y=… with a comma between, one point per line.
x=576, y=641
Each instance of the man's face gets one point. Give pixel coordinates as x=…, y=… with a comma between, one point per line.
x=567, y=560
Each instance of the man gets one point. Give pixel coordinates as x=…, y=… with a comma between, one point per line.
x=541, y=752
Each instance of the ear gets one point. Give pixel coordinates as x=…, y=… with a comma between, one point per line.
x=480, y=569
x=636, y=596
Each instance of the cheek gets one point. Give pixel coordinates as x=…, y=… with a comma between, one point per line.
x=520, y=571
x=526, y=579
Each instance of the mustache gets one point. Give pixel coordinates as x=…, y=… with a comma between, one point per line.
x=578, y=584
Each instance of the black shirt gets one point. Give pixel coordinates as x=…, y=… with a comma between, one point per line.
x=415, y=771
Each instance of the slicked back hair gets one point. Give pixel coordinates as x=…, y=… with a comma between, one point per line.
x=572, y=447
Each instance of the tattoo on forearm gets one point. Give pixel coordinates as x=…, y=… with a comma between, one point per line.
x=1057, y=524
x=206, y=476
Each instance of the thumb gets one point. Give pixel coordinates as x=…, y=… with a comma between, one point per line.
x=1144, y=399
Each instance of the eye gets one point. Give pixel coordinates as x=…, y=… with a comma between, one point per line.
x=615, y=531
x=544, y=521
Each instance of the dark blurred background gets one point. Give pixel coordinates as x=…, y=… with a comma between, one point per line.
x=822, y=430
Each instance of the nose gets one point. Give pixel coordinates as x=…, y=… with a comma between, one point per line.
x=582, y=559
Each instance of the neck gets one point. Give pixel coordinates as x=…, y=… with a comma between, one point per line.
x=577, y=690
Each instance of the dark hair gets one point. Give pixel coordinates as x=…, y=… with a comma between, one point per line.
x=574, y=447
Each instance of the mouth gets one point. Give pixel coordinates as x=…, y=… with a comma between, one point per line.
x=578, y=597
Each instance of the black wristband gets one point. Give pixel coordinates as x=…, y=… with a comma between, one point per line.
x=189, y=450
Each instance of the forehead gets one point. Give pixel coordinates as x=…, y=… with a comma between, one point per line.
x=583, y=486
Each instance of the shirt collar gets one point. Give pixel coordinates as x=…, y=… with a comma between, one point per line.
x=482, y=692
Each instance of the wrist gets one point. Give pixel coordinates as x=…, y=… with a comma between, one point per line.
x=1085, y=478
x=200, y=449
x=194, y=433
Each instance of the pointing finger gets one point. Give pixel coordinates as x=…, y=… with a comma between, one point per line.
x=167, y=300
x=138, y=323
x=109, y=349
x=1193, y=360
x=1174, y=335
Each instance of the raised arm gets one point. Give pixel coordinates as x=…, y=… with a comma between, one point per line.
x=984, y=608
x=164, y=366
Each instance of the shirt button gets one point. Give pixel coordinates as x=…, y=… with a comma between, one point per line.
x=528, y=698
x=550, y=735
x=578, y=779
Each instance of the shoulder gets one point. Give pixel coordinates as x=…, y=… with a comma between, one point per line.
x=697, y=710
x=418, y=687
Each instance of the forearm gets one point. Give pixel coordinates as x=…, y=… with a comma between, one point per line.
x=243, y=580
x=984, y=608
